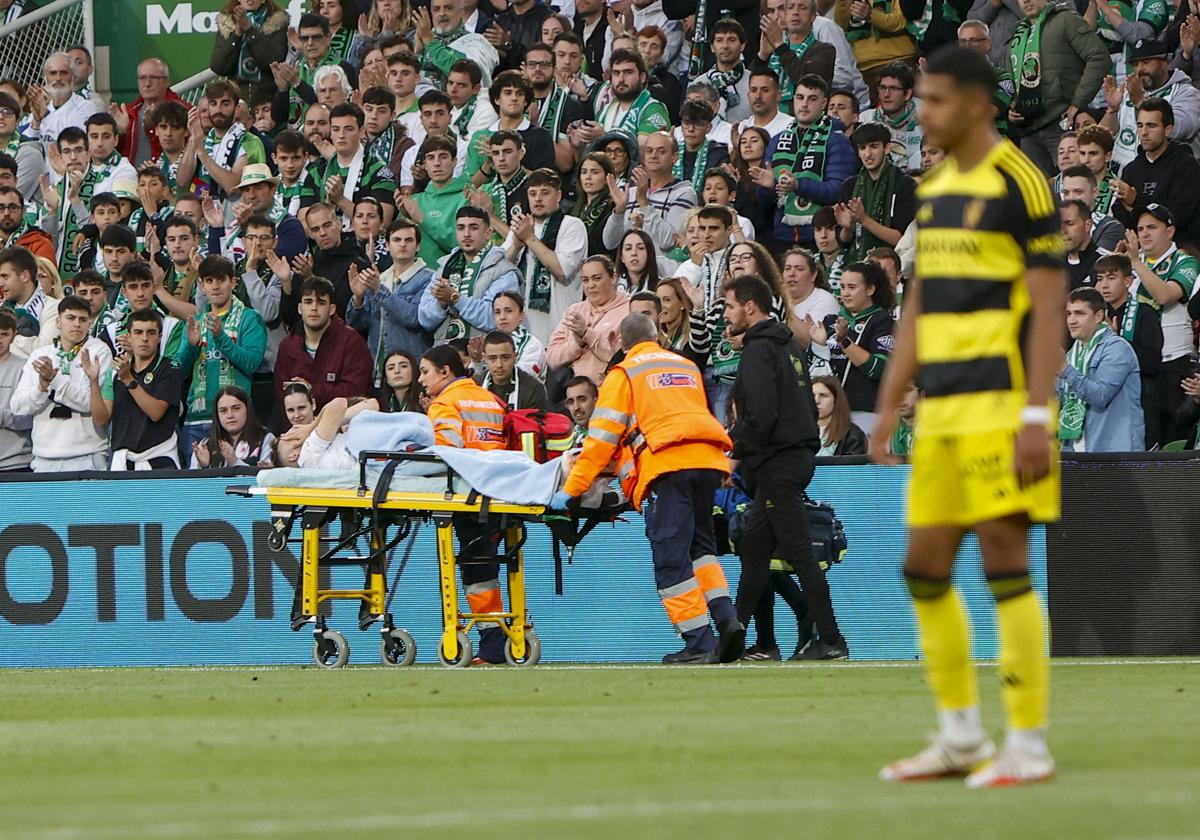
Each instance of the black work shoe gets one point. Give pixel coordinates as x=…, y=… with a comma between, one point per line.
x=690, y=657
x=731, y=643
x=756, y=654
x=821, y=651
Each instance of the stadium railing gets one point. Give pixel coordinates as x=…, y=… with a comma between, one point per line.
x=192, y=88
x=31, y=38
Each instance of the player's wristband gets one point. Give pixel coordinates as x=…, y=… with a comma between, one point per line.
x=1035, y=415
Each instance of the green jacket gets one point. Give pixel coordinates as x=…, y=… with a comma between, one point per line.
x=245, y=355
x=1074, y=64
x=439, y=207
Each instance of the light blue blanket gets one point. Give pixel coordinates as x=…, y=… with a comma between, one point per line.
x=511, y=476
x=314, y=479
x=377, y=431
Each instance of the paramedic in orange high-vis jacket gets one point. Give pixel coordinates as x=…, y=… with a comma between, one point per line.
x=653, y=404
x=466, y=416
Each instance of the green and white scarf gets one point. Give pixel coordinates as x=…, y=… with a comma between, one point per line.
x=698, y=170
x=1153, y=12
x=902, y=439
x=801, y=153
x=918, y=27
x=726, y=82
x=66, y=255
x=876, y=195
x=1026, y=55
x=290, y=196
x=223, y=151
x=463, y=121
x=12, y=144
x=230, y=325
x=1073, y=411
x=112, y=313
x=629, y=122
x=503, y=194
x=1129, y=318
x=698, y=55
x=785, y=81
x=429, y=69
x=11, y=239
x=297, y=107
x=1104, y=198
x=65, y=358
x=595, y=210
x=339, y=45
x=537, y=295
x=247, y=67
x=550, y=113
x=462, y=276
x=380, y=149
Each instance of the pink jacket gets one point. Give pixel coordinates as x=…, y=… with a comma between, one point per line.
x=590, y=355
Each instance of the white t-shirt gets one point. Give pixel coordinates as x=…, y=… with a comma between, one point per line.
x=817, y=305
x=774, y=128
x=320, y=454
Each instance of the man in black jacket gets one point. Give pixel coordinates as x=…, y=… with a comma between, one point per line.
x=331, y=256
x=1164, y=172
x=519, y=390
x=775, y=440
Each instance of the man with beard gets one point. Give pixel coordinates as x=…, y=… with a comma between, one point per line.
x=15, y=232
x=1151, y=77
x=764, y=104
x=139, y=142
x=728, y=75
x=580, y=402
x=632, y=109
x=548, y=247
x=552, y=108
x=441, y=40
x=228, y=147
x=56, y=105
x=350, y=174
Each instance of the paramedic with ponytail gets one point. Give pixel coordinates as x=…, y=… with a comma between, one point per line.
x=466, y=416
x=652, y=403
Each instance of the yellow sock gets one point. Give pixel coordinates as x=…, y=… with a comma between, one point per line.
x=946, y=642
x=1024, y=666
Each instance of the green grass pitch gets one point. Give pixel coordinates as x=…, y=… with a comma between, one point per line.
x=740, y=752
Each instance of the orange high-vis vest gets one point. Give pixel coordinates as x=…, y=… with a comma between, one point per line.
x=468, y=417
x=652, y=404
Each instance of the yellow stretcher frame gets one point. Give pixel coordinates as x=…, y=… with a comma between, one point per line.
x=313, y=507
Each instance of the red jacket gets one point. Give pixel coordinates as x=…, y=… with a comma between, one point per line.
x=342, y=366
x=129, y=142
x=35, y=240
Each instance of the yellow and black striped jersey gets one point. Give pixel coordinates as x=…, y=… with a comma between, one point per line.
x=977, y=233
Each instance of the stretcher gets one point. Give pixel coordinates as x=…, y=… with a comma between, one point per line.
x=389, y=514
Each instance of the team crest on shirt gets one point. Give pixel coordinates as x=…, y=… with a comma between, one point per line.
x=973, y=213
x=672, y=380
x=925, y=213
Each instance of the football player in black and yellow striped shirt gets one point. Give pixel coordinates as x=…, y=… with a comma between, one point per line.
x=980, y=334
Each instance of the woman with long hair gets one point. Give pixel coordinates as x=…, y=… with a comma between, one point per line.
x=637, y=262
x=400, y=390
x=854, y=345
x=753, y=258
x=593, y=201
x=237, y=438
x=749, y=151
x=347, y=41
x=251, y=35
x=49, y=279
x=553, y=26
x=388, y=17
x=676, y=309
x=839, y=435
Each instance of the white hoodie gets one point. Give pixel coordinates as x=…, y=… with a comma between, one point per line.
x=67, y=437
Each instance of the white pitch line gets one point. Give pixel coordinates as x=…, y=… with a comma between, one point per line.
x=582, y=813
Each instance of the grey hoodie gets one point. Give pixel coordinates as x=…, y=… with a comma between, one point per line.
x=496, y=275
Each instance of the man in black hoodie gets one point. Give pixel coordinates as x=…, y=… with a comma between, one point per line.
x=333, y=252
x=1164, y=172
x=775, y=440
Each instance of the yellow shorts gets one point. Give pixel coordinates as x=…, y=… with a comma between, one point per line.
x=966, y=479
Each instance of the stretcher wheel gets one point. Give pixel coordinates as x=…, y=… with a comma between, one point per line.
x=330, y=649
x=533, y=651
x=465, y=653
x=398, y=648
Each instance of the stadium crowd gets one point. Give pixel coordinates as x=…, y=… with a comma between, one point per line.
x=185, y=284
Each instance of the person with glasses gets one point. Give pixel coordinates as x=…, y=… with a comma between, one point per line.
x=695, y=153
x=975, y=35
x=897, y=110
x=25, y=151
x=552, y=107
x=138, y=141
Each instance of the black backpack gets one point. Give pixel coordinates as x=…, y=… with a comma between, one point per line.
x=826, y=533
